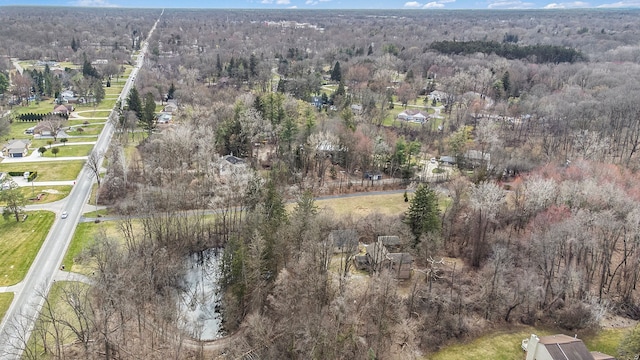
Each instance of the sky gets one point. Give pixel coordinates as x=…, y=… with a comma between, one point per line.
x=337, y=4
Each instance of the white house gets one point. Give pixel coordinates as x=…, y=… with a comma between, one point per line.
x=413, y=116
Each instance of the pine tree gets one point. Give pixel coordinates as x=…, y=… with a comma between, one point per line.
x=172, y=92
x=423, y=215
x=148, y=118
x=134, y=102
x=336, y=74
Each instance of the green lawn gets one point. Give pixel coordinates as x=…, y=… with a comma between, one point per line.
x=363, y=205
x=20, y=243
x=5, y=302
x=36, y=107
x=70, y=150
x=50, y=193
x=17, y=130
x=95, y=129
x=96, y=113
x=35, y=144
x=48, y=171
x=82, y=239
x=505, y=345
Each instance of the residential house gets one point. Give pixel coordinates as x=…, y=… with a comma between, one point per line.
x=413, y=116
x=16, y=148
x=344, y=241
x=62, y=110
x=559, y=347
x=475, y=158
x=398, y=263
x=391, y=242
x=42, y=129
x=373, y=176
x=447, y=160
x=171, y=106
x=232, y=165
x=164, y=118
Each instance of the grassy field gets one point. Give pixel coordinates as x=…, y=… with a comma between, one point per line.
x=36, y=107
x=96, y=113
x=364, y=205
x=505, y=345
x=70, y=150
x=35, y=144
x=48, y=171
x=82, y=239
x=87, y=130
x=51, y=193
x=19, y=244
x=5, y=302
x=63, y=313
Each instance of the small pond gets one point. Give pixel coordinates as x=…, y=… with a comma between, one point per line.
x=200, y=302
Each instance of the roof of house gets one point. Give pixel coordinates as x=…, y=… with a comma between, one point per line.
x=17, y=145
x=377, y=252
x=401, y=258
x=563, y=347
x=600, y=356
x=233, y=160
x=389, y=240
x=61, y=109
x=344, y=238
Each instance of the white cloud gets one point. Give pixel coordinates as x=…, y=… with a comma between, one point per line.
x=622, y=4
x=93, y=3
x=569, y=5
x=309, y=2
x=412, y=4
x=433, y=5
x=266, y=2
x=292, y=7
x=516, y=4
x=283, y=2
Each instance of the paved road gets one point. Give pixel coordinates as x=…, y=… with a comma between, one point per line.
x=18, y=322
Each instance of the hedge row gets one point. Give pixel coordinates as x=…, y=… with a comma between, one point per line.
x=32, y=175
x=30, y=117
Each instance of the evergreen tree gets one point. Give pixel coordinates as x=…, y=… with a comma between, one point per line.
x=218, y=64
x=370, y=51
x=340, y=91
x=134, y=103
x=74, y=44
x=336, y=74
x=253, y=66
x=506, y=83
x=148, y=118
x=423, y=215
x=172, y=92
x=98, y=92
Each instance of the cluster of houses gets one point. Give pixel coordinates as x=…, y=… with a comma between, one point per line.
x=383, y=254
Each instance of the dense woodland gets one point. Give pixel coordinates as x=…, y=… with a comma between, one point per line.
x=547, y=234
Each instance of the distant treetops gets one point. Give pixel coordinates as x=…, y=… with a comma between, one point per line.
x=539, y=54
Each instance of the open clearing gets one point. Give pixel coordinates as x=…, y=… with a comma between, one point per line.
x=19, y=244
x=505, y=345
x=47, y=171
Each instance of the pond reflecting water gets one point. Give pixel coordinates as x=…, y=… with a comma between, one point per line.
x=200, y=302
